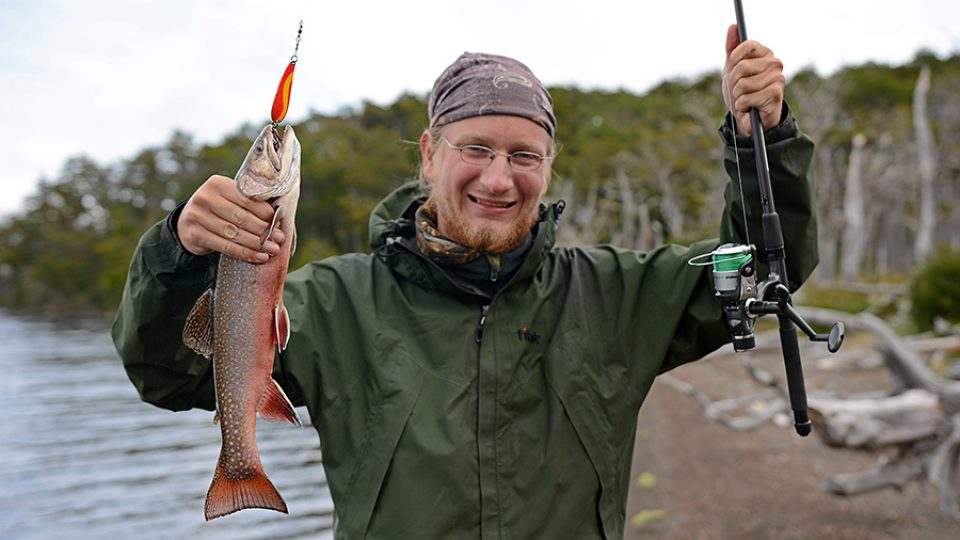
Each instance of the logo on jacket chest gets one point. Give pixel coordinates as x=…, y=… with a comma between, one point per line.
x=528, y=335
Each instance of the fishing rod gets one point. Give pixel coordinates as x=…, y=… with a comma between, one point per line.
x=744, y=300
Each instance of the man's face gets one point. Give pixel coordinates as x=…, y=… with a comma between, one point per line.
x=489, y=207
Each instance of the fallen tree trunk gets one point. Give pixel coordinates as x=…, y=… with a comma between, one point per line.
x=922, y=422
x=909, y=368
x=877, y=422
x=895, y=476
x=919, y=421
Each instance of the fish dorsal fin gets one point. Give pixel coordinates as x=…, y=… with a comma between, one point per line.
x=275, y=406
x=198, y=331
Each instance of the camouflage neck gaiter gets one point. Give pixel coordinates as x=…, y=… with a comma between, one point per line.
x=441, y=249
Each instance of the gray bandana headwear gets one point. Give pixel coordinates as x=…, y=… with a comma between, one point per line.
x=478, y=84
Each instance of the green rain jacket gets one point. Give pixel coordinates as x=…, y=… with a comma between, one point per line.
x=444, y=414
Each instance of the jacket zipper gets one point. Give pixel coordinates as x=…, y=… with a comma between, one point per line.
x=478, y=336
x=486, y=437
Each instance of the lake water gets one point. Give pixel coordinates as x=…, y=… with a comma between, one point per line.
x=82, y=457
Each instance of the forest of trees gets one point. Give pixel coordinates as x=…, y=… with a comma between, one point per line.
x=635, y=170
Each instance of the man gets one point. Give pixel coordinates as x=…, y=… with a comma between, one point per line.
x=468, y=379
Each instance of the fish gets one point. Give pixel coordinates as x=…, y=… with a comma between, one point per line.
x=241, y=324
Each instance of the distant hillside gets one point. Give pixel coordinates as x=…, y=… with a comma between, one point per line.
x=68, y=250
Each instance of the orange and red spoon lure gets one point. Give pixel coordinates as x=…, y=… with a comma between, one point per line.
x=281, y=101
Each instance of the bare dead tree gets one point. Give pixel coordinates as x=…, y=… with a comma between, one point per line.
x=887, y=179
x=854, y=233
x=565, y=191
x=816, y=104
x=829, y=215
x=648, y=237
x=626, y=236
x=944, y=109
x=580, y=215
x=660, y=173
x=926, y=166
x=703, y=109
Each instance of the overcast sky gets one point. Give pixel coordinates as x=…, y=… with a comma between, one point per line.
x=107, y=78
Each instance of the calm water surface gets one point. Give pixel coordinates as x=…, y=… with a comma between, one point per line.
x=83, y=457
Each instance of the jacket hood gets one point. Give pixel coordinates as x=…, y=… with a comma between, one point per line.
x=395, y=213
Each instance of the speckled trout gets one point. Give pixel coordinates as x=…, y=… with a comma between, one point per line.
x=241, y=324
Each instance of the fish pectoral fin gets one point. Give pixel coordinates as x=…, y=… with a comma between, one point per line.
x=198, y=330
x=275, y=406
x=281, y=327
x=277, y=214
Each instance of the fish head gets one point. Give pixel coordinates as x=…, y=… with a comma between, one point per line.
x=272, y=165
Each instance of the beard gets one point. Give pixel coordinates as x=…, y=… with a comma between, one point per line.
x=484, y=239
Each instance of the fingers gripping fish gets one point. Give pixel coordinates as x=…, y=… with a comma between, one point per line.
x=241, y=324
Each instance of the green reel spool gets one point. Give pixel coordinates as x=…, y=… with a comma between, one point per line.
x=727, y=261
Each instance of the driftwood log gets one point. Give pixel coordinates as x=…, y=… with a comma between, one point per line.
x=920, y=421
x=917, y=424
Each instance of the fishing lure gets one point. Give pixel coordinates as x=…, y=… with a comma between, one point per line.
x=281, y=101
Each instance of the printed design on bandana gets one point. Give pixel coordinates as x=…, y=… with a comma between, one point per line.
x=477, y=84
x=500, y=81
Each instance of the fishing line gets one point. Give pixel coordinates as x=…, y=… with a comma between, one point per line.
x=736, y=155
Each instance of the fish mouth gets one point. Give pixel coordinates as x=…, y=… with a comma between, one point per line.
x=265, y=173
x=274, y=149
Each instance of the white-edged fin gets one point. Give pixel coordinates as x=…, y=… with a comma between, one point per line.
x=281, y=327
x=275, y=406
x=273, y=223
x=198, y=330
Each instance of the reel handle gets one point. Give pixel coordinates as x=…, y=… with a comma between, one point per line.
x=782, y=306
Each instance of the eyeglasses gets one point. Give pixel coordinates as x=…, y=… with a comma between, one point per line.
x=477, y=154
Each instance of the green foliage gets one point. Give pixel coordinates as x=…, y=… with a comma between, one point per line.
x=839, y=299
x=935, y=289
x=68, y=250
x=877, y=87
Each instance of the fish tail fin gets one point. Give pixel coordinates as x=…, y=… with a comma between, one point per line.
x=227, y=496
